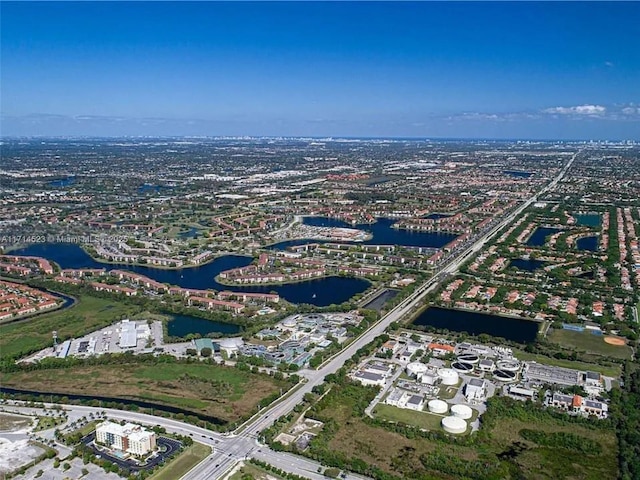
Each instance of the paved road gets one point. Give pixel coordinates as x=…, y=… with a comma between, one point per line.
x=229, y=449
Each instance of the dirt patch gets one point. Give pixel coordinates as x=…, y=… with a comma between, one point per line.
x=615, y=341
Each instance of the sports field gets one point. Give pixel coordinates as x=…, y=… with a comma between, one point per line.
x=587, y=342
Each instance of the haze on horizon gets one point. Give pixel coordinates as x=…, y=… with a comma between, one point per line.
x=386, y=69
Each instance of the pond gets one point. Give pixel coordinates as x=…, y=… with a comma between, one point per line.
x=515, y=329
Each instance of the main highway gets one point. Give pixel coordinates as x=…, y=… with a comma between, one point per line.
x=243, y=444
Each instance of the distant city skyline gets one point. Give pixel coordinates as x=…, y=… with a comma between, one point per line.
x=502, y=70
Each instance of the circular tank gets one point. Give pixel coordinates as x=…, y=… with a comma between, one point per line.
x=448, y=376
x=289, y=322
x=509, y=365
x=416, y=368
x=231, y=343
x=462, y=367
x=461, y=411
x=469, y=358
x=504, y=375
x=437, y=406
x=454, y=425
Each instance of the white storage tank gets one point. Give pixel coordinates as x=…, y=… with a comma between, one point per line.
x=448, y=376
x=438, y=406
x=415, y=369
x=454, y=425
x=461, y=411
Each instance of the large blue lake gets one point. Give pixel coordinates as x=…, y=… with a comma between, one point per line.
x=183, y=325
x=320, y=292
x=382, y=231
x=515, y=329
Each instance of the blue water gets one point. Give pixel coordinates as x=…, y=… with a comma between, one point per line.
x=527, y=265
x=384, y=234
x=436, y=216
x=191, y=233
x=183, y=325
x=540, y=234
x=588, y=219
x=63, y=182
x=148, y=188
x=587, y=243
x=515, y=329
x=518, y=173
x=319, y=292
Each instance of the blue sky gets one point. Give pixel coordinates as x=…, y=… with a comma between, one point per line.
x=497, y=70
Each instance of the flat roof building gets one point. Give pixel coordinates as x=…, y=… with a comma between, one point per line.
x=129, y=438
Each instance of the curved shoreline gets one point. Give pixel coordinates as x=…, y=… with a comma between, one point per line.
x=279, y=284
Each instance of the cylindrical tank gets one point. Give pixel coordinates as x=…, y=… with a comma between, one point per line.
x=448, y=376
x=454, y=425
x=469, y=358
x=289, y=322
x=461, y=411
x=438, y=406
x=462, y=367
x=509, y=365
x=416, y=368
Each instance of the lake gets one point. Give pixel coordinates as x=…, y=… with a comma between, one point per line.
x=518, y=173
x=538, y=238
x=320, y=292
x=183, y=325
x=527, y=265
x=587, y=243
x=62, y=182
x=515, y=329
x=384, y=233
x=588, y=219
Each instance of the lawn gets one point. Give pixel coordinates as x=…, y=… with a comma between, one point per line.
x=428, y=421
x=499, y=451
x=256, y=472
x=590, y=343
x=184, y=462
x=88, y=314
x=222, y=392
x=610, y=371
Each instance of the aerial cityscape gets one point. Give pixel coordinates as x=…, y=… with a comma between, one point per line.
x=290, y=244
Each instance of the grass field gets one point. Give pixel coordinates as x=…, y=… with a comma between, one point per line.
x=488, y=456
x=223, y=392
x=610, y=371
x=256, y=473
x=590, y=343
x=184, y=462
x=45, y=423
x=88, y=314
x=425, y=420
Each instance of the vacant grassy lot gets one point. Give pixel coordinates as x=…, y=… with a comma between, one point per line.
x=223, y=392
x=500, y=451
x=610, y=371
x=88, y=314
x=425, y=420
x=10, y=422
x=179, y=466
x=590, y=343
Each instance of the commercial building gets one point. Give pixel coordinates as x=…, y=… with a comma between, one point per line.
x=129, y=438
